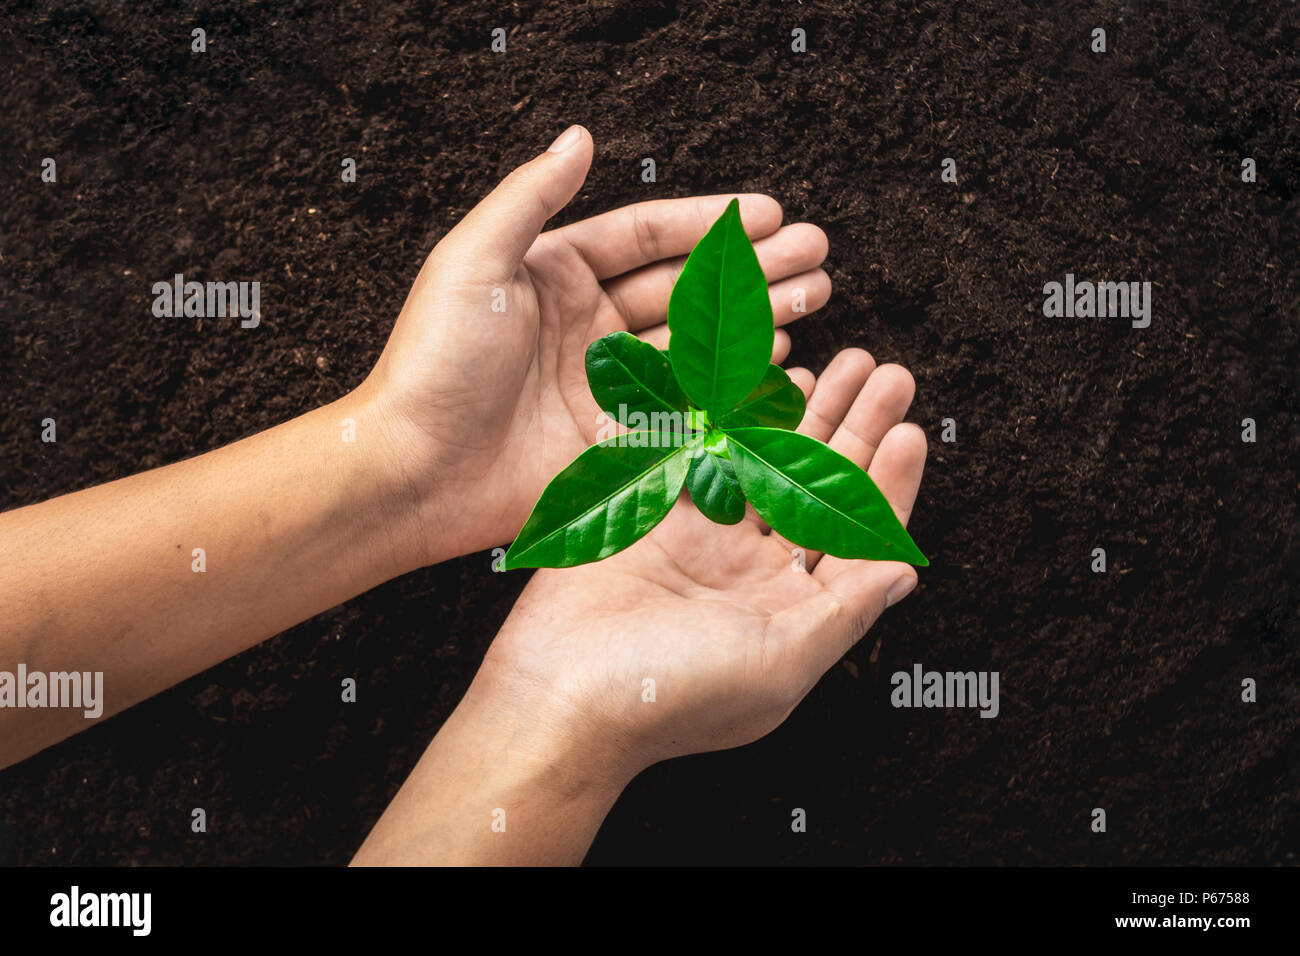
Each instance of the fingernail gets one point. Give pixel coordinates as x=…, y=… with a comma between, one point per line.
x=567, y=140
x=900, y=589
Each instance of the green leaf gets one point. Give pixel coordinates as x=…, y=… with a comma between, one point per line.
x=608, y=497
x=714, y=488
x=818, y=498
x=720, y=318
x=777, y=402
x=628, y=376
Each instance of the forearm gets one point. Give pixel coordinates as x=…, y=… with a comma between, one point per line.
x=290, y=522
x=499, y=785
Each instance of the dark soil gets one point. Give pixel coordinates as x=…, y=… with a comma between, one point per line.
x=1120, y=691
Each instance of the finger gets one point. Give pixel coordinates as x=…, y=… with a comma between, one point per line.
x=624, y=239
x=495, y=234
x=804, y=379
x=813, y=294
x=642, y=296
x=836, y=389
x=896, y=468
x=880, y=406
x=780, y=346
x=829, y=402
x=798, y=296
x=658, y=337
x=821, y=629
x=791, y=299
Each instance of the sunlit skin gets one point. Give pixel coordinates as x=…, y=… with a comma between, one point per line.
x=724, y=620
x=492, y=405
x=465, y=418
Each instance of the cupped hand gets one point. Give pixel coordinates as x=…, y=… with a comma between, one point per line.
x=482, y=388
x=699, y=636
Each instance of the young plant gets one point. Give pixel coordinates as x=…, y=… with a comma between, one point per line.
x=713, y=414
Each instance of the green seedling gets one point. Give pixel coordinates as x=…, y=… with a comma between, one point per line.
x=711, y=414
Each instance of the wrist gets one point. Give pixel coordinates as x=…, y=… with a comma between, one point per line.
x=500, y=784
x=437, y=507
x=543, y=735
x=397, y=487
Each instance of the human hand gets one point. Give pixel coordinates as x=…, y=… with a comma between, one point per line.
x=725, y=620
x=483, y=408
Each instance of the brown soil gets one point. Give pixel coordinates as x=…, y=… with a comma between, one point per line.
x=1119, y=691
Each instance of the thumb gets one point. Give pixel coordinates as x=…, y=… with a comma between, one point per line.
x=823, y=628
x=497, y=232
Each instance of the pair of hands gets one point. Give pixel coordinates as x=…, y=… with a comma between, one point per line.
x=481, y=408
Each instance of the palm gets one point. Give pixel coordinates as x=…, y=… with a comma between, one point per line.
x=696, y=607
x=488, y=404
x=492, y=364
x=724, y=620
x=549, y=415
